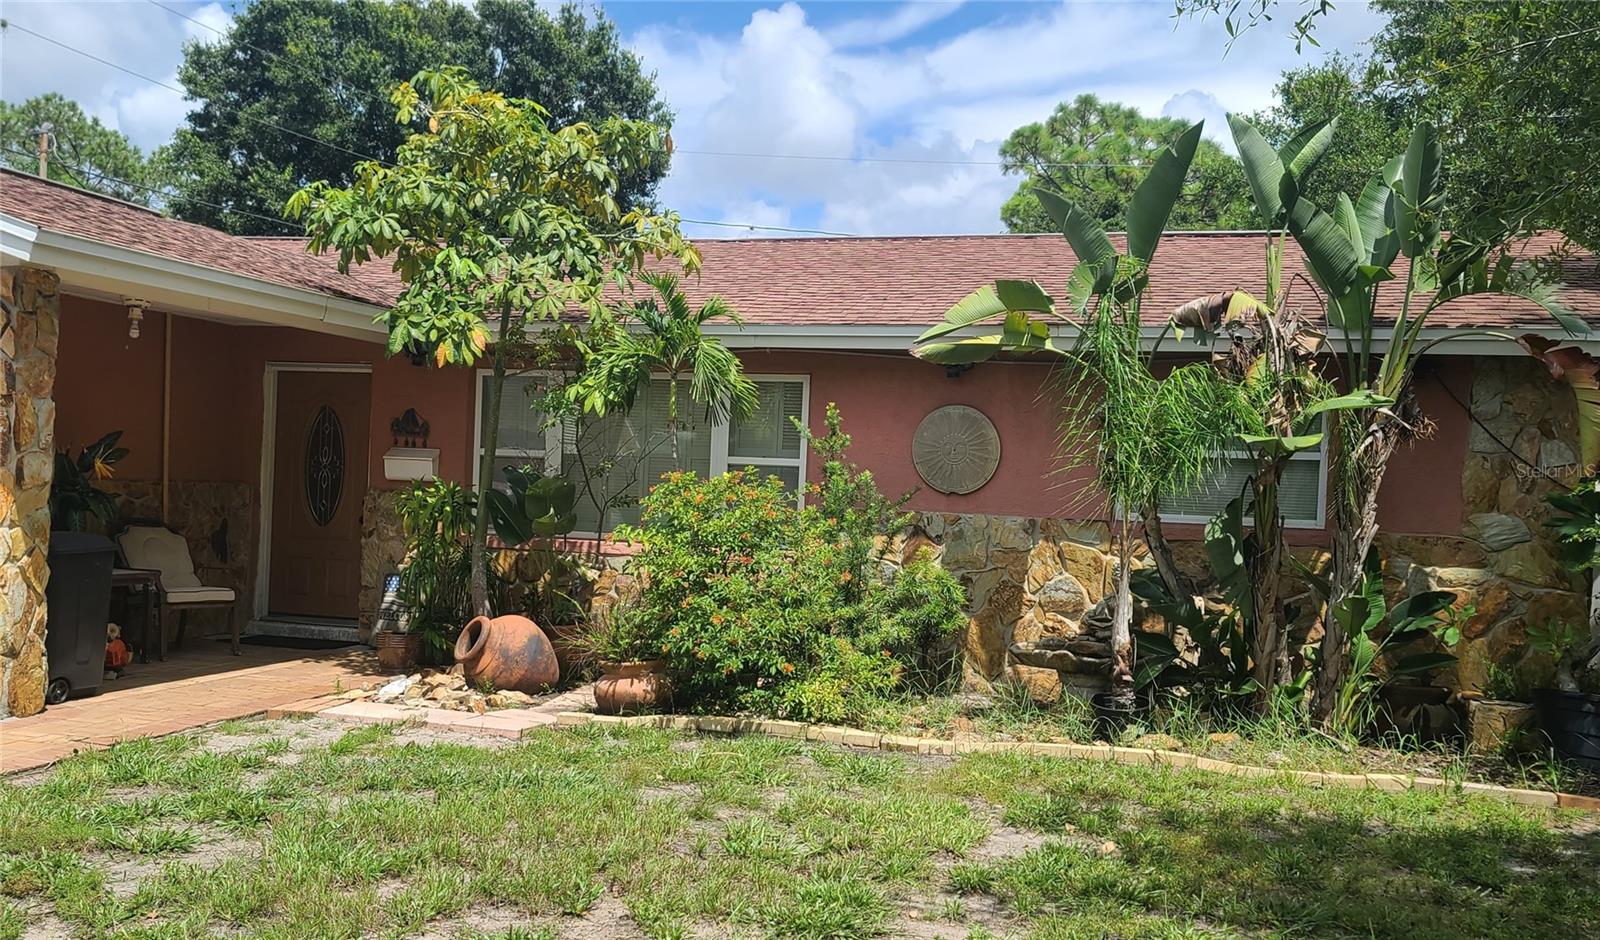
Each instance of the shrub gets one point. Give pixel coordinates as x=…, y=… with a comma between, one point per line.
x=767, y=607
x=437, y=569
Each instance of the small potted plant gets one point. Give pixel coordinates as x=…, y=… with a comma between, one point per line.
x=1500, y=716
x=633, y=677
x=1569, y=714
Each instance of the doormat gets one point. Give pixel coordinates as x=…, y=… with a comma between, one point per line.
x=293, y=642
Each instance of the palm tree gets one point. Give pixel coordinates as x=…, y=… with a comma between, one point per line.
x=670, y=339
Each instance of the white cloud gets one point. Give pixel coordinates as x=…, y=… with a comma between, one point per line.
x=907, y=20
x=141, y=37
x=785, y=87
x=1196, y=105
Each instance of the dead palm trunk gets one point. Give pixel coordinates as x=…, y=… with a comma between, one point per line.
x=1355, y=519
x=1122, y=653
x=1270, y=652
x=1177, y=584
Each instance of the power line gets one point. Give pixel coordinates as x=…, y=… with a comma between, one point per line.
x=8, y=24
x=156, y=191
x=770, y=228
x=836, y=158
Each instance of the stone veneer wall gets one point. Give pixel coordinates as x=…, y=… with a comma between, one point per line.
x=383, y=546
x=29, y=330
x=1506, y=562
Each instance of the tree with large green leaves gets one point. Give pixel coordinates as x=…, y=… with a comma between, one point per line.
x=324, y=70
x=664, y=336
x=1094, y=153
x=1372, y=128
x=1143, y=436
x=1352, y=252
x=499, y=224
x=1508, y=82
x=1511, y=85
x=83, y=152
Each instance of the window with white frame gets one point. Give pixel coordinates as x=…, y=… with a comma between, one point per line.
x=615, y=459
x=1302, y=492
x=523, y=440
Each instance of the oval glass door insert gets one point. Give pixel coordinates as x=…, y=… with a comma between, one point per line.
x=324, y=465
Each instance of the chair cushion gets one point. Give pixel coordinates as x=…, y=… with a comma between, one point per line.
x=161, y=549
x=200, y=595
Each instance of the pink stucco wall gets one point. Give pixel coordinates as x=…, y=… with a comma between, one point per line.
x=108, y=381
x=882, y=398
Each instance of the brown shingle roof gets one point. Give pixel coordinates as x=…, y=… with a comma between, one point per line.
x=59, y=208
x=886, y=281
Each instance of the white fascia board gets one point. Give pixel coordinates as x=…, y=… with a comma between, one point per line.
x=185, y=287
x=16, y=238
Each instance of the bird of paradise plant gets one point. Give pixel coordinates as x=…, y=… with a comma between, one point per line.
x=73, y=495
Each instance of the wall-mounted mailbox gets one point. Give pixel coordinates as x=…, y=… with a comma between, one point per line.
x=411, y=463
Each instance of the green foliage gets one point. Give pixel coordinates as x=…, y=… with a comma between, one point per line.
x=491, y=211
x=854, y=509
x=1504, y=682
x=621, y=632
x=436, y=573
x=1509, y=86
x=1370, y=129
x=532, y=506
x=1577, y=524
x=648, y=337
x=768, y=607
x=1066, y=155
x=73, y=495
x=1378, y=634
x=327, y=69
x=85, y=153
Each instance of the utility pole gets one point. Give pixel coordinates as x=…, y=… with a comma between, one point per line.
x=44, y=149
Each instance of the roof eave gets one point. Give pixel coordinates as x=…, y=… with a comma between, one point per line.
x=183, y=286
x=1452, y=341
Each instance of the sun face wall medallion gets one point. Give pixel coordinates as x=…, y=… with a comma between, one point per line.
x=956, y=449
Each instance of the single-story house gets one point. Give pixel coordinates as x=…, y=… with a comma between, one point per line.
x=258, y=408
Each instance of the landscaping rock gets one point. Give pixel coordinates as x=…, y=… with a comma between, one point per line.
x=1497, y=530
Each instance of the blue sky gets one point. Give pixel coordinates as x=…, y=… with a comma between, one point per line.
x=915, y=96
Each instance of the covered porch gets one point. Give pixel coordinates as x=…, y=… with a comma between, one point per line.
x=254, y=398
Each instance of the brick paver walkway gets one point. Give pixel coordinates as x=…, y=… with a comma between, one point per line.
x=195, y=686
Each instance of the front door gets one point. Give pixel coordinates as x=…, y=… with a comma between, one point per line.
x=319, y=478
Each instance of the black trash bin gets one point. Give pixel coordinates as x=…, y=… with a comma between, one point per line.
x=78, y=596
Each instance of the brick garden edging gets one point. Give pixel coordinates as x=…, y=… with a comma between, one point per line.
x=557, y=713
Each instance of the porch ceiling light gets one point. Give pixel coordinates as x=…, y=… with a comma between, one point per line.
x=136, y=309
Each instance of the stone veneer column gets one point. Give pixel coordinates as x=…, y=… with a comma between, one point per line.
x=29, y=327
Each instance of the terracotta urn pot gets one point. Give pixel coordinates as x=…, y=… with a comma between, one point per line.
x=509, y=653
x=631, y=688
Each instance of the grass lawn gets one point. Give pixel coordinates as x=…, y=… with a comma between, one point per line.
x=308, y=829
x=1283, y=744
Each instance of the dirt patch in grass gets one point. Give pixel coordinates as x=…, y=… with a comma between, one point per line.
x=1005, y=842
x=126, y=871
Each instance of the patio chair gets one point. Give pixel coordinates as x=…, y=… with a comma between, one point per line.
x=161, y=549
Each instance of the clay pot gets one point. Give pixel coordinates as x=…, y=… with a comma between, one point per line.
x=398, y=652
x=509, y=653
x=630, y=688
